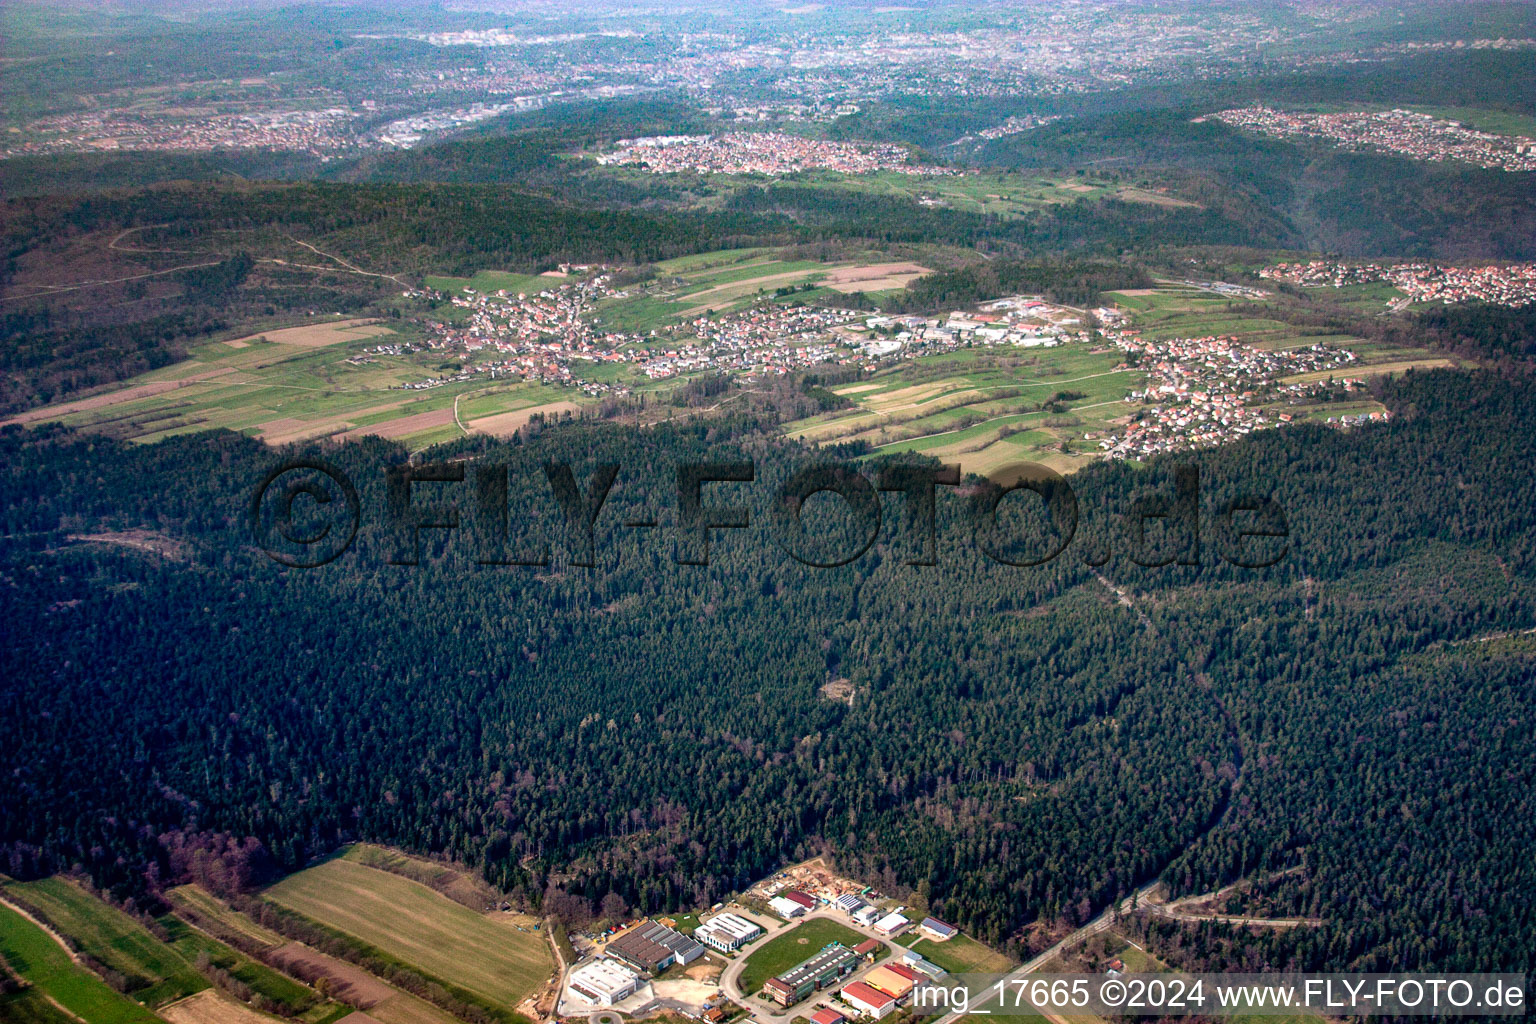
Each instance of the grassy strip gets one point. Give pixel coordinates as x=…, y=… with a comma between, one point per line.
x=38, y=961
x=124, y=952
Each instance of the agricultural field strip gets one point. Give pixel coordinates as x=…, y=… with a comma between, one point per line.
x=76, y=991
x=421, y=927
x=112, y=937
x=868, y=415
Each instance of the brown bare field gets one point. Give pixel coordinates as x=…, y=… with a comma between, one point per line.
x=359, y=1017
x=295, y=428
x=1137, y=195
x=505, y=424
x=317, y=335
x=349, y=983
x=871, y=277
x=857, y=389
x=110, y=398
x=356, y=987
x=211, y=1006
x=404, y=425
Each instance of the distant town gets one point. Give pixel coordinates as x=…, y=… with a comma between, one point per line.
x=1510, y=284
x=1205, y=391
x=1398, y=132
x=1199, y=392
x=771, y=153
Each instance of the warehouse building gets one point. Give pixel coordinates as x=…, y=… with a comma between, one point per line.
x=788, y=909
x=868, y=1000
x=890, y=924
x=833, y=962
x=604, y=982
x=653, y=947
x=895, y=980
x=727, y=932
x=937, y=930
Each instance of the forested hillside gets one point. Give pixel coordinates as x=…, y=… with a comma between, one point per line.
x=1021, y=742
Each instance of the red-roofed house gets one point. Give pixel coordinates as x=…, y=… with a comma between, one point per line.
x=868, y=1000
x=827, y=1015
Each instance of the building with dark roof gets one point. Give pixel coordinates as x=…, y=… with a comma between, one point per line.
x=653, y=947
x=937, y=929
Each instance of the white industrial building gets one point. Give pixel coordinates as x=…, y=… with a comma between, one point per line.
x=727, y=932
x=604, y=982
x=868, y=1000
x=890, y=924
x=786, y=908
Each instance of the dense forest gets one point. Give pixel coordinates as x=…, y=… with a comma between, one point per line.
x=1020, y=744
x=1070, y=283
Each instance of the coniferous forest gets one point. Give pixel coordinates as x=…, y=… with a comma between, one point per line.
x=1021, y=744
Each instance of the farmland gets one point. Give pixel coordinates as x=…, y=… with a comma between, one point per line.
x=277, y=991
x=732, y=279
x=153, y=973
x=347, y=982
x=784, y=951
x=406, y=920
x=293, y=384
x=983, y=408
x=211, y=1006
x=492, y=280
x=985, y=192
x=61, y=990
